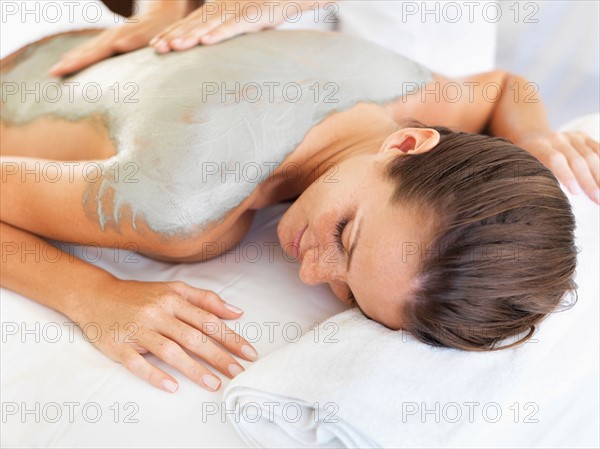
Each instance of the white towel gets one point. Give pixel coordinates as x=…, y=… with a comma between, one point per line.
x=354, y=383
x=372, y=387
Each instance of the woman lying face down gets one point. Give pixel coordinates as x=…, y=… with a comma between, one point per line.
x=461, y=239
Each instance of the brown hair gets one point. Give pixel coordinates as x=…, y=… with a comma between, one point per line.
x=503, y=255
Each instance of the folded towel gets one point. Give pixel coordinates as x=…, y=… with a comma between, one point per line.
x=355, y=383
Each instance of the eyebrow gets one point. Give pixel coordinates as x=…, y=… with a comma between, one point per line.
x=353, y=247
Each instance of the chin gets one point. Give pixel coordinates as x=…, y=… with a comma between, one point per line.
x=337, y=292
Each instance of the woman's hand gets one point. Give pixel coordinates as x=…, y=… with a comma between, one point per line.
x=218, y=20
x=122, y=39
x=573, y=157
x=132, y=318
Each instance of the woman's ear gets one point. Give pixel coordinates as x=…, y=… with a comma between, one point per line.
x=411, y=140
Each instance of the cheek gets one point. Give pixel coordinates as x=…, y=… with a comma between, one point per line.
x=333, y=184
x=309, y=201
x=320, y=206
x=340, y=179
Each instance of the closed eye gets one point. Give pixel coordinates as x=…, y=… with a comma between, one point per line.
x=339, y=230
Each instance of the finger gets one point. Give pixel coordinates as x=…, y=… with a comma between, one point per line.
x=595, y=146
x=591, y=157
x=594, y=164
x=170, y=352
x=581, y=170
x=202, y=346
x=160, y=42
x=207, y=300
x=81, y=59
x=558, y=164
x=164, y=39
x=188, y=35
x=225, y=31
x=143, y=369
x=162, y=34
x=217, y=330
x=196, y=20
x=161, y=47
x=64, y=66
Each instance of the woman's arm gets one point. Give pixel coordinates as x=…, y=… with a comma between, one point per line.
x=162, y=318
x=34, y=268
x=572, y=156
x=58, y=200
x=506, y=105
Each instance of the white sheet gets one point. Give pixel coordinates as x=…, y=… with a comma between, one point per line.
x=71, y=370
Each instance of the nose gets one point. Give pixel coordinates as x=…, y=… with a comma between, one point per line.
x=319, y=266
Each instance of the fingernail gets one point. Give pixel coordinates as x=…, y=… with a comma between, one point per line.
x=233, y=308
x=596, y=195
x=207, y=38
x=234, y=369
x=211, y=381
x=177, y=42
x=249, y=352
x=572, y=186
x=169, y=385
x=161, y=46
x=190, y=42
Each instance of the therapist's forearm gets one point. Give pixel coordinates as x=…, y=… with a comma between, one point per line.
x=520, y=112
x=34, y=268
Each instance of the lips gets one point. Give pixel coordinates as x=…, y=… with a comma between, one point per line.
x=296, y=244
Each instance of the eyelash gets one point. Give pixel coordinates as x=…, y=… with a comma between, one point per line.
x=339, y=229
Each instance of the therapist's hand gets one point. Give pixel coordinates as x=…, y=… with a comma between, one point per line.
x=130, y=318
x=218, y=20
x=127, y=37
x=573, y=157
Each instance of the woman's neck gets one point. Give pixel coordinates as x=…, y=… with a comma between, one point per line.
x=361, y=129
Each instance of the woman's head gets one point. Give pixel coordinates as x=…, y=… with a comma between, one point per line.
x=460, y=239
